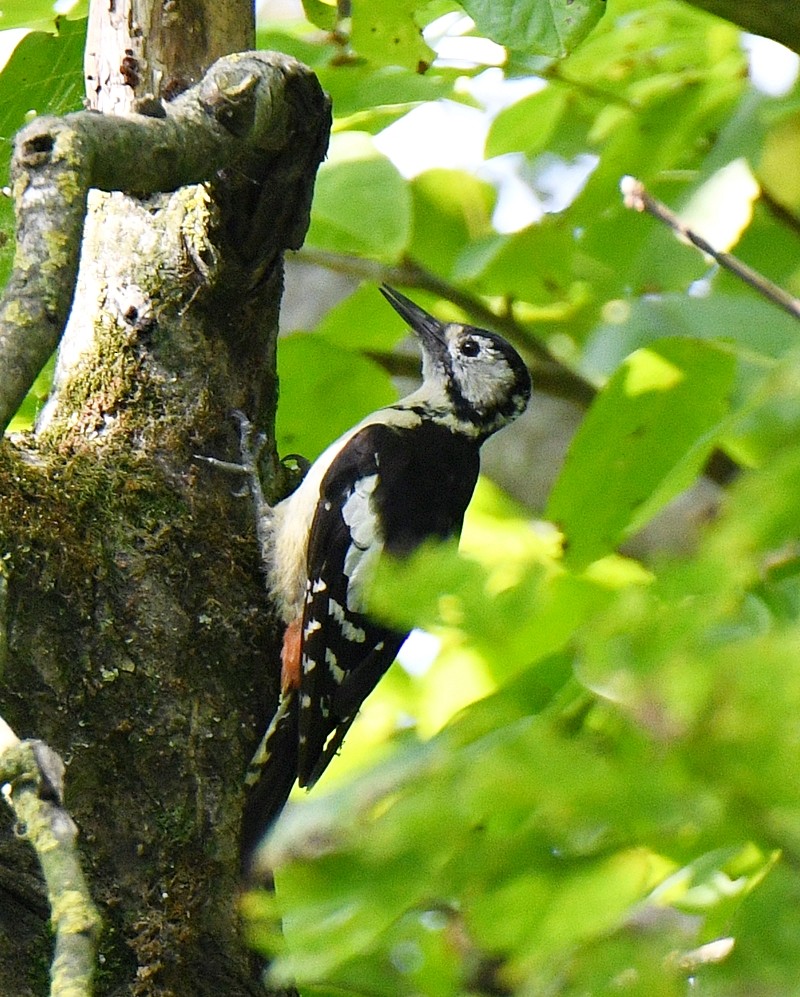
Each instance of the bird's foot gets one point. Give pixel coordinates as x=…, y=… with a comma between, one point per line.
x=251, y=445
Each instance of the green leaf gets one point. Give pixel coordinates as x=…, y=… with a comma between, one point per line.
x=451, y=209
x=767, y=952
x=546, y=27
x=39, y=14
x=756, y=327
x=310, y=370
x=780, y=150
x=643, y=440
x=314, y=51
x=44, y=76
x=768, y=247
x=533, y=265
x=362, y=321
x=361, y=203
x=323, y=15
x=387, y=34
x=364, y=92
x=26, y=414
x=510, y=625
x=716, y=881
x=655, y=44
x=529, y=125
x=563, y=904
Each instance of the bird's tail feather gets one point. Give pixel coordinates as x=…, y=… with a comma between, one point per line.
x=270, y=777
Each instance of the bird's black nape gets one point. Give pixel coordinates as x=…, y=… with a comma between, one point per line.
x=419, y=320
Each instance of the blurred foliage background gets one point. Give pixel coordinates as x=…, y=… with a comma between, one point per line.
x=584, y=779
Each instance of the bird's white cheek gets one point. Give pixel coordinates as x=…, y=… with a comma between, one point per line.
x=485, y=392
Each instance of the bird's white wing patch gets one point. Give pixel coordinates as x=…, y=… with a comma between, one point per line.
x=358, y=513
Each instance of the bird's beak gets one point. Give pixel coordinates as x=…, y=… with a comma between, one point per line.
x=429, y=329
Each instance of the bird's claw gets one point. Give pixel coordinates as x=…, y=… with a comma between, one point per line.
x=250, y=444
x=250, y=447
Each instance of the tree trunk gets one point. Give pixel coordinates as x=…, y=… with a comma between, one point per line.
x=139, y=641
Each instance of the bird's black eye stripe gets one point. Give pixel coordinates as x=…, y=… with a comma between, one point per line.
x=470, y=347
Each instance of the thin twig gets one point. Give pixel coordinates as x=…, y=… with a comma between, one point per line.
x=636, y=196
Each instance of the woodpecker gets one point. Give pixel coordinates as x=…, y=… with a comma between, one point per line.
x=401, y=475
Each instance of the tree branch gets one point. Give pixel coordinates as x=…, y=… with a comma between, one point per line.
x=551, y=375
x=32, y=775
x=243, y=107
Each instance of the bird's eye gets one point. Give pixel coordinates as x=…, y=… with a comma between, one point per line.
x=470, y=348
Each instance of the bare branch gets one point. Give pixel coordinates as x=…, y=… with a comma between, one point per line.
x=247, y=104
x=636, y=196
x=32, y=775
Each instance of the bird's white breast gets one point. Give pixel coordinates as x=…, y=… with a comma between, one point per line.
x=291, y=519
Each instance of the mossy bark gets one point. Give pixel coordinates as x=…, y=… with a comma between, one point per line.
x=138, y=636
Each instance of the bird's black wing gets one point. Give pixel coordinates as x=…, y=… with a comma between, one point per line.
x=389, y=488
x=341, y=647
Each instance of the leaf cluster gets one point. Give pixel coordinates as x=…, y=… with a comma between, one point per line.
x=607, y=802
x=590, y=790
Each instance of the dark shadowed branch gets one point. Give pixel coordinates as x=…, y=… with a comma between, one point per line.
x=550, y=374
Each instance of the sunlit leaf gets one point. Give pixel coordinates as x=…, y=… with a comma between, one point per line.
x=324, y=15
x=781, y=147
x=26, y=414
x=550, y=28
x=36, y=14
x=451, y=209
x=654, y=422
x=364, y=92
x=514, y=614
x=757, y=327
x=723, y=207
x=388, y=34
x=361, y=203
x=528, y=125
x=44, y=75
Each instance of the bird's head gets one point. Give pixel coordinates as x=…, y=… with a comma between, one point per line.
x=470, y=374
